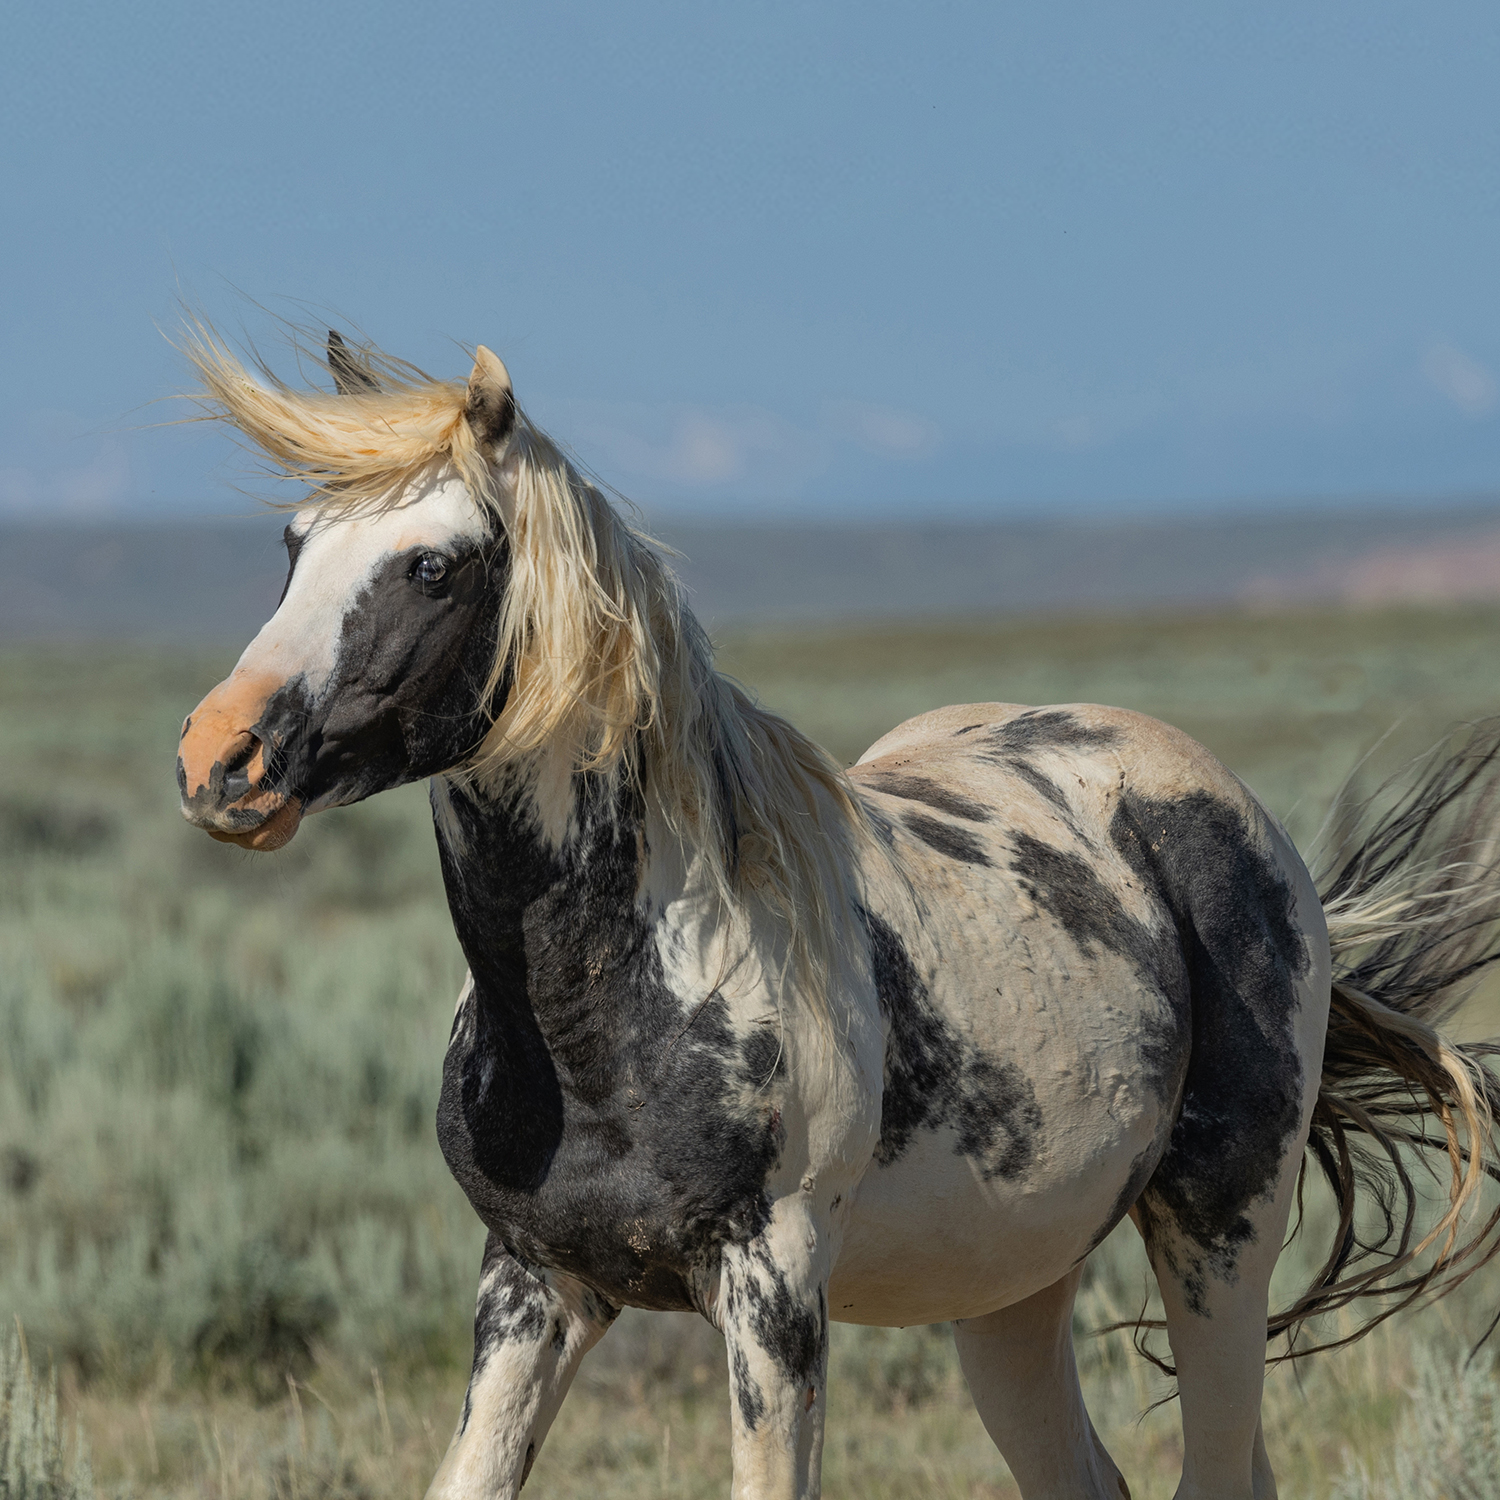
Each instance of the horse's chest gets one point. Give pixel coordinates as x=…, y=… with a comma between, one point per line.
x=630, y=1178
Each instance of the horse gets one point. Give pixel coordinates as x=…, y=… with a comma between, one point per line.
x=747, y=1033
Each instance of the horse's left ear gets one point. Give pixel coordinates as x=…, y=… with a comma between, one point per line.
x=491, y=408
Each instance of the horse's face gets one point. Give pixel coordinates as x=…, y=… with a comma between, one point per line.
x=370, y=674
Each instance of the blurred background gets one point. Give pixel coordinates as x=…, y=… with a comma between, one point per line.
x=1142, y=355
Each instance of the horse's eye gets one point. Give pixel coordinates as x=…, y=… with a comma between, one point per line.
x=430, y=570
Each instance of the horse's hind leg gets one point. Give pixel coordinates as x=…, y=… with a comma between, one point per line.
x=1216, y=1325
x=1024, y=1380
x=1215, y=1210
x=1214, y=1219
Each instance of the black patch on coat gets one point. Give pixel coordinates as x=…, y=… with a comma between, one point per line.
x=762, y=1058
x=793, y=1335
x=405, y=698
x=1068, y=888
x=1242, y=1096
x=748, y=1395
x=513, y=1305
x=933, y=1077
x=954, y=843
x=597, y=1126
x=1043, y=785
x=923, y=789
x=1051, y=729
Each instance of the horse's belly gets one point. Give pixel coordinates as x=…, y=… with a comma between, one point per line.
x=936, y=1235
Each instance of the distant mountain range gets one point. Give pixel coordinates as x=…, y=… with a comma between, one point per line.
x=217, y=581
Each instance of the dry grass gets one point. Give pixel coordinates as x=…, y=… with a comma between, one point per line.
x=668, y=1436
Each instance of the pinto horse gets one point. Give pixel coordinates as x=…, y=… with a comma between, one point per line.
x=749, y=1034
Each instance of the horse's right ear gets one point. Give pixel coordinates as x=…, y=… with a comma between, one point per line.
x=491, y=406
x=352, y=375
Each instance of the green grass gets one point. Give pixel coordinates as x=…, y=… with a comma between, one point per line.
x=218, y=1072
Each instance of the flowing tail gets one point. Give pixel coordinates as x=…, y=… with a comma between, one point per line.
x=1412, y=898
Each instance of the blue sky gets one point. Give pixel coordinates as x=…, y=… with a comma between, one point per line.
x=773, y=259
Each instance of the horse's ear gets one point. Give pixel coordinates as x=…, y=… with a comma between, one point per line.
x=491, y=408
x=352, y=375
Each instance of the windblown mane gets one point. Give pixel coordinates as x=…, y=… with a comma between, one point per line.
x=609, y=673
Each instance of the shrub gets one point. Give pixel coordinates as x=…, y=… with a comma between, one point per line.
x=268, y=1313
x=34, y=1461
x=892, y=1369
x=1448, y=1440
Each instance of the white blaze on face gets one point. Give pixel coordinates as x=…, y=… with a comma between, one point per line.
x=339, y=557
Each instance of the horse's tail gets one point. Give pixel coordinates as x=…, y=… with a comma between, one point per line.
x=1411, y=889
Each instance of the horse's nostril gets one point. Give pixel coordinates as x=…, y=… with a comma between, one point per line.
x=239, y=753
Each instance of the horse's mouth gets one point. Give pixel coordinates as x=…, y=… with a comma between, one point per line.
x=259, y=818
x=224, y=771
x=273, y=830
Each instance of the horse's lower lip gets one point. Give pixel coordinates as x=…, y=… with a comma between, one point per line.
x=272, y=832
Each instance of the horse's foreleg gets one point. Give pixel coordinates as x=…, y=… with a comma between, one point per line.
x=1024, y=1380
x=773, y=1308
x=531, y=1330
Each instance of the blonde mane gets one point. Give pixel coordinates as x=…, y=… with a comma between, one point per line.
x=608, y=671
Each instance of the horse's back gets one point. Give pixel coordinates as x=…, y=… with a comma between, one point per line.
x=1094, y=952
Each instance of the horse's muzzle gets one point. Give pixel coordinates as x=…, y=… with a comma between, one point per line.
x=222, y=770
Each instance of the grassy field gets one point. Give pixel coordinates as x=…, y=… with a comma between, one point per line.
x=223, y=1214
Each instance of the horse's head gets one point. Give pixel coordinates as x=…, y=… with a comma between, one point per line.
x=462, y=598
x=376, y=668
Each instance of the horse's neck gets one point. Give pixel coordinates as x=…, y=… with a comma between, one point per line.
x=552, y=929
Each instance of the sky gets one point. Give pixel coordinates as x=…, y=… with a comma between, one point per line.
x=779, y=259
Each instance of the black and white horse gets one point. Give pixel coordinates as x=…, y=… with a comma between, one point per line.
x=747, y=1034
